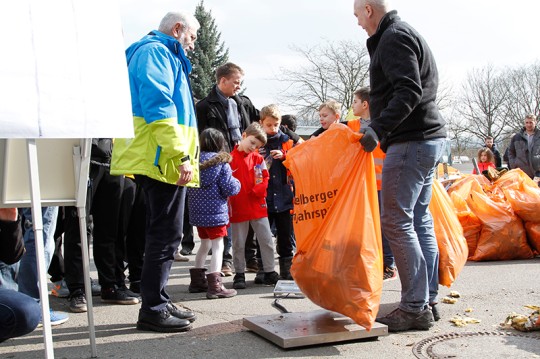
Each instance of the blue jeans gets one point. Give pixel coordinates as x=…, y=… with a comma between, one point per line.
x=19, y=314
x=407, y=178
x=388, y=256
x=28, y=273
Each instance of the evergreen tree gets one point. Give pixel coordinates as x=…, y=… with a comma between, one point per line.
x=209, y=53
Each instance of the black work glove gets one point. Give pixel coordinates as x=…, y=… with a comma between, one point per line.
x=370, y=140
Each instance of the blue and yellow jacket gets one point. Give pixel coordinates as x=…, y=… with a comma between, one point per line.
x=163, y=112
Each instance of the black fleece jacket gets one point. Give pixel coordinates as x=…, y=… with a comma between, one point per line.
x=404, y=82
x=11, y=241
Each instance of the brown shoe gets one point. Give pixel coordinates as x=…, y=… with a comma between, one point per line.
x=216, y=289
x=198, y=280
x=226, y=270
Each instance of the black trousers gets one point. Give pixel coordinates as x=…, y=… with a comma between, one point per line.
x=285, y=235
x=187, y=233
x=56, y=268
x=164, y=222
x=103, y=203
x=131, y=231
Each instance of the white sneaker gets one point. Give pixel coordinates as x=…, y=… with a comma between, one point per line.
x=179, y=257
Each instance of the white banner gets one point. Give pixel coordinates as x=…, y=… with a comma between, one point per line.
x=63, y=71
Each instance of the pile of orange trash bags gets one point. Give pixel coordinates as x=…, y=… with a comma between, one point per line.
x=500, y=220
x=338, y=260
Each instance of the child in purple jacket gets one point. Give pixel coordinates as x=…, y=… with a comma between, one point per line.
x=209, y=212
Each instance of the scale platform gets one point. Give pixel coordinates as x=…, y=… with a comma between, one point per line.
x=291, y=330
x=287, y=288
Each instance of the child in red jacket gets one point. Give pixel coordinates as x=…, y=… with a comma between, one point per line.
x=485, y=160
x=249, y=206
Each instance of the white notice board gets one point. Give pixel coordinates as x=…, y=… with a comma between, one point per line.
x=58, y=175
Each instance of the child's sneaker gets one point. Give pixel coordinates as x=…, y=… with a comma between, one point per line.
x=259, y=277
x=117, y=296
x=96, y=288
x=389, y=273
x=270, y=278
x=60, y=289
x=77, y=302
x=239, y=281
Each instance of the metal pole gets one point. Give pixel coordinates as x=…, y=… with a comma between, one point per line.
x=37, y=222
x=81, y=157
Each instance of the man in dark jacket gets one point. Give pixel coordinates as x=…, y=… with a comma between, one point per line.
x=103, y=203
x=524, y=149
x=224, y=109
x=227, y=111
x=405, y=117
x=490, y=144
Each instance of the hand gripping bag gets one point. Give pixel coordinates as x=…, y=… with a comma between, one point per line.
x=453, y=250
x=338, y=263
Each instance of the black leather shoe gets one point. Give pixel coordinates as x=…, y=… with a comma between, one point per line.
x=435, y=311
x=180, y=314
x=399, y=320
x=163, y=322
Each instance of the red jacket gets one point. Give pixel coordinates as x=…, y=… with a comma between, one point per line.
x=250, y=202
x=482, y=166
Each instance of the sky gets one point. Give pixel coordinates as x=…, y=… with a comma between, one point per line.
x=463, y=34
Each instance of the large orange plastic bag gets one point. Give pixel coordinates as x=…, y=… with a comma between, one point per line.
x=502, y=236
x=453, y=251
x=522, y=193
x=533, y=235
x=515, y=179
x=338, y=263
x=459, y=192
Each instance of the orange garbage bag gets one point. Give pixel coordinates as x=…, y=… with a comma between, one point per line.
x=453, y=251
x=338, y=263
x=503, y=235
x=522, y=193
x=533, y=235
x=472, y=226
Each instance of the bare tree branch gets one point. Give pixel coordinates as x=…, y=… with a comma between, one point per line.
x=332, y=70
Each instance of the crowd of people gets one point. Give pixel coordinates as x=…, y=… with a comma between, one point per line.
x=217, y=165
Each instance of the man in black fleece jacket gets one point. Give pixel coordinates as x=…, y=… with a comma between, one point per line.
x=406, y=120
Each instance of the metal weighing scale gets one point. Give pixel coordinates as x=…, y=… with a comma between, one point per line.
x=291, y=330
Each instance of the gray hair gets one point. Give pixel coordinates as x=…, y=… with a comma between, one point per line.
x=383, y=5
x=187, y=20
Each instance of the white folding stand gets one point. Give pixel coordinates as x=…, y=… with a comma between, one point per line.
x=14, y=194
x=56, y=96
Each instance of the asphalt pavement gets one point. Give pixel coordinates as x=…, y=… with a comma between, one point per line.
x=489, y=292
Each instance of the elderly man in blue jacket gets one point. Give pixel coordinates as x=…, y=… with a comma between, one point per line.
x=163, y=156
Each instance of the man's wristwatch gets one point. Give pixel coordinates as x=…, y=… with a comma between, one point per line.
x=184, y=159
